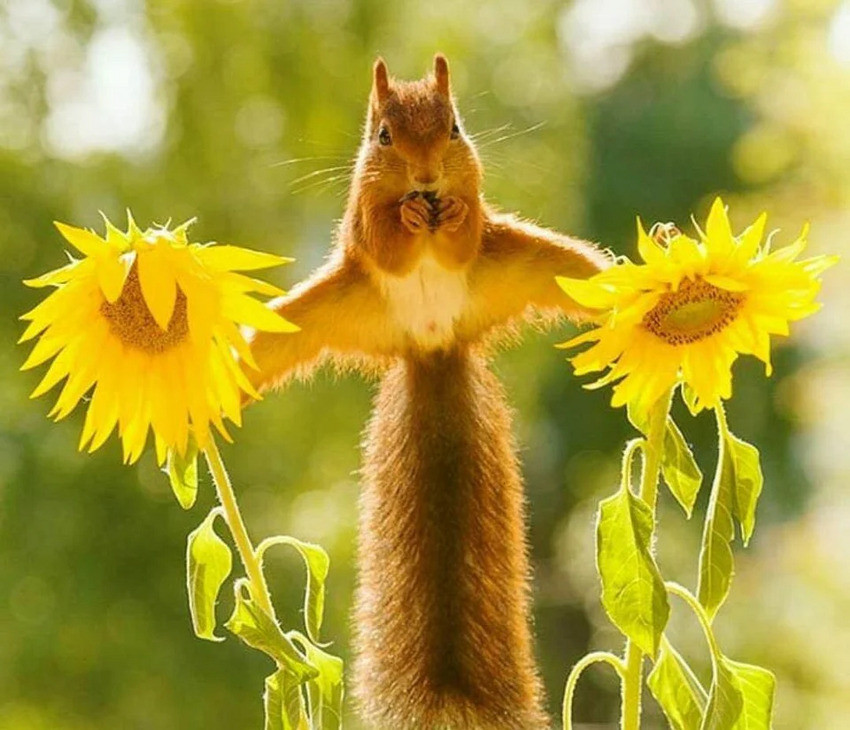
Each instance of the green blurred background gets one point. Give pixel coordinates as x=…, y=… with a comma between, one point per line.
x=246, y=114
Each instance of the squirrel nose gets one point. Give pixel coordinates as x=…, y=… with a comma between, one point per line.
x=426, y=178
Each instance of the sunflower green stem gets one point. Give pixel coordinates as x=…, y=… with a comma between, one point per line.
x=675, y=589
x=236, y=525
x=593, y=658
x=653, y=450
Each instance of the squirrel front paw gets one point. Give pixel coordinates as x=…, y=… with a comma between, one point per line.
x=415, y=214
x=451, y=213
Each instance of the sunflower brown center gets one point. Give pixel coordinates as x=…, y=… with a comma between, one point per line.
x=694, y=312
x=132, y=322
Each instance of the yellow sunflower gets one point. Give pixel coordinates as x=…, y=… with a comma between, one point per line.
x=686, y=313
x=148, y=322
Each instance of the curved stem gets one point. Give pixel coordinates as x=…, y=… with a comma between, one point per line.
x=572, y=679
x=722, y=425
x=233, y=518
x=628, y=457
x=714, y=497
x=705, y=623
x=653, y=451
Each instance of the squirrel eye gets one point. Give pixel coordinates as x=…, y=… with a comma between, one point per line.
x=455, y=131
x=384, y=136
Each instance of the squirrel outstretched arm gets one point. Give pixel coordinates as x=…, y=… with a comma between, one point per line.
x=513, y=278
x=340, y=315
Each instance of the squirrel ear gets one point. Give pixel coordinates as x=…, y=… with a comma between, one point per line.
x=441, y=73
x=380, y=80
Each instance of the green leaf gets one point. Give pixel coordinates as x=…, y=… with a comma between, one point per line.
x=677, y=690
x=725, y=699
x=183, y=474
x=745, y=472
x=317, y=563
x=741, y=697
x=716, y=566
x=260, y=631
x=633, y=592
x=758, y=686
x=689, y=396
x=208, y=563
x=325, y=691
x=737, y=486
x=678, y=466
x=638, y=416
x=680, y=470
x=284, y=703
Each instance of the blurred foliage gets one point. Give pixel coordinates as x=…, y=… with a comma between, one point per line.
x=229, y=110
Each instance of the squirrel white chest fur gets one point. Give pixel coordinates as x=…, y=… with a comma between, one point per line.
x=426, y=302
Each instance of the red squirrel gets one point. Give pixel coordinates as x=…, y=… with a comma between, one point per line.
x=421, y=274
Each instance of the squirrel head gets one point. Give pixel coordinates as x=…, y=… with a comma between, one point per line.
x=414, y=138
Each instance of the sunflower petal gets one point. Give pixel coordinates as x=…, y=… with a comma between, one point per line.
x=725, y=282
x=648, y=249
x=56, y=277
x=44, y=349
x=114, y=237
x=161, y=449
x=86, y=242
x=237, y=373
x=748, y=243
x=58, y=369
x=588, y=292
x=245, y=310
x=233, y=258
x=159, y=287
x=245, y=284
x=717, y=228
x=112, y=272
x=591, y=335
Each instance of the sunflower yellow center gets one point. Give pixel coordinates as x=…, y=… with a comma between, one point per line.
x=694, y=312
x=132, y=322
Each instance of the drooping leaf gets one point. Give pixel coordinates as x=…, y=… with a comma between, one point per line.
x=638, y=416
x=208, y=563
x=259, y=630
x=716, y=566
x=725, y=699
x=737, y=486
x=689, y=396
x=745, y=472
x=757, y=686
x=633, y=591
x=679, y=468
x=283, y=702
x=317, y=563
x=677, y=690
x=183, y=474
x=325, y=691
x=741, y=697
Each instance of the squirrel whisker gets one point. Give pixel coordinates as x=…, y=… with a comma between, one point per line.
x=299, y=160
x=323, y=171
x=527, y=130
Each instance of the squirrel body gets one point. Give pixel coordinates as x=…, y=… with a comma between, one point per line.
x=423, y=272
x=426, y=302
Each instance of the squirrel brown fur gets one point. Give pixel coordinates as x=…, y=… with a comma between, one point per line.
x=422, y=273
